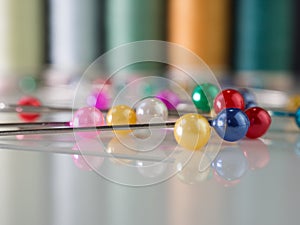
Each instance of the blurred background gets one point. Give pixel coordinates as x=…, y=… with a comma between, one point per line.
x=245, y=42
x=45, y=47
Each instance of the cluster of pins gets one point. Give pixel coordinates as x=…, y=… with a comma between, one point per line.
x=237, y=116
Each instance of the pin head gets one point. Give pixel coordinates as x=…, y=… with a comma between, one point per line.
x=169, y=98
x=260, y=121
x=249, y=97
x=121, y=115
x=250, y=104
x=294, y=103
x=87, y=117
x=100, y=100
x=203, y=96
x=192, y=131
x=151, y=110
x=29, y=101
x=231, y=124
x=229, y=98
x=297, y=117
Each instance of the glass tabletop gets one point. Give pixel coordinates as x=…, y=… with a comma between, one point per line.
x=46, y=179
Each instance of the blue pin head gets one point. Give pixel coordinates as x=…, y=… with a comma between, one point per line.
x=249, y=97
x=297, y=117
x=231, y=124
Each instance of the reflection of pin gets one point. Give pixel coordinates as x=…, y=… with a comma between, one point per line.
x=224, y=182
x=85, y=162
x=230, y=164
x=152, y=169
x=297, y=147
x=116, y=147
x=256, y=152
x=189, y=171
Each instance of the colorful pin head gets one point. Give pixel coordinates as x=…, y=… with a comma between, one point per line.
x=249, y=97
x=231, y=124
x=203, y=96
x=88, y=116
x=260, y=121
x=228, y=98
x=297, y=117
x=169, y=98
x=29, y=101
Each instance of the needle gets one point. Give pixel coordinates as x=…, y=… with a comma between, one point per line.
x=56, y=130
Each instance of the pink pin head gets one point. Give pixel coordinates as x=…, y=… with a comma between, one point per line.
x=87, y=117
x=168, y=97
x=100, y=100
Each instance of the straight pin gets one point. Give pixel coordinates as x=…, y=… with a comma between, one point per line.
x=60, y=130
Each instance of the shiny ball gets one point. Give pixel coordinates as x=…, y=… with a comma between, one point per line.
x=250, y=105
x=29, y=101
x=297, y=117
x=294, y=103
x=169, y=98
x=87, y=117
x=231, y=124
x=260, y=121
x=121, y=115
x=228, y=98
x=247, y=94
x=99, y=100
x=151, y=110
x=203, y=96
x=192, y=131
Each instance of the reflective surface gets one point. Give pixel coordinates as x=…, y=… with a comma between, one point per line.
x=42, y=183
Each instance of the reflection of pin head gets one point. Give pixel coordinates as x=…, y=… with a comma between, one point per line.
x=118, y=149
x=188, y=167
x=225, y=183
x=230, y=164
x=84, y=160
x=256, y=152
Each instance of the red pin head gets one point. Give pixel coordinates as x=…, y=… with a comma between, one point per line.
x=260, y=121
x=228, y=98
x=29, y=101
